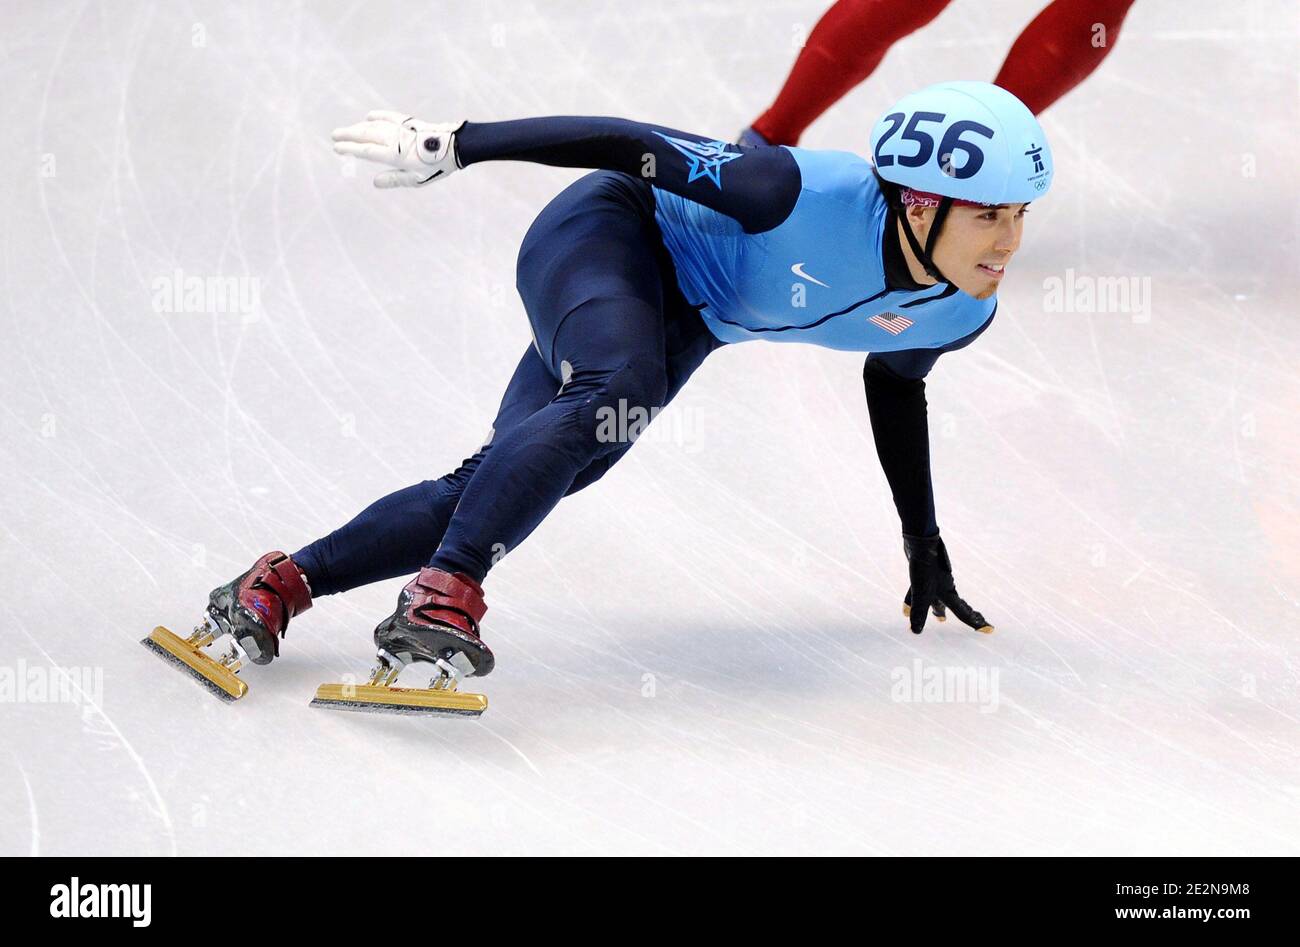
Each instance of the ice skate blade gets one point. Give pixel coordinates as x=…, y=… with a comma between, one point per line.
x=371, y=698
x=177, y=651
x=982, y=629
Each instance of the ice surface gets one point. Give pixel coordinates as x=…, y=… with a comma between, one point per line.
x=703, y=653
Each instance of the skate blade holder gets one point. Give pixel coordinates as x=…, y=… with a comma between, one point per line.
x=218, y=674
x=379, y=695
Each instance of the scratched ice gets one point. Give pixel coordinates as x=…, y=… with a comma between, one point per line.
x=219, y=339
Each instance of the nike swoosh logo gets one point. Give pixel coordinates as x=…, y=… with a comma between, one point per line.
x=797, y=270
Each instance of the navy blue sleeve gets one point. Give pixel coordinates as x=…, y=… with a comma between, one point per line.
x=758, y=187
x=902, y=434
x=895, y=387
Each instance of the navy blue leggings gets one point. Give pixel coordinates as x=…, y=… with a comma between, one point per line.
x=612, y=335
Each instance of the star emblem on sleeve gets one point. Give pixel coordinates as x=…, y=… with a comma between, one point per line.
x=706, y=157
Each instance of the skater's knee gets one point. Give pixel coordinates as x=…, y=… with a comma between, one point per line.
x=640, y=383
x=611, y=408
x=616, y=405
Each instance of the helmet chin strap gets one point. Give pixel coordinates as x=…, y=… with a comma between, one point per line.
x=923, y=255
x=894, y=199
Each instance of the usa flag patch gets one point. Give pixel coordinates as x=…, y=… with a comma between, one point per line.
x=893, y=324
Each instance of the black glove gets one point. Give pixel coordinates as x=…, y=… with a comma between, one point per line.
x=930, y=573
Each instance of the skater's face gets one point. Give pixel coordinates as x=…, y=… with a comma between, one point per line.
x=974, y=246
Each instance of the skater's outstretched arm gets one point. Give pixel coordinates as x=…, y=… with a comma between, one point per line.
x=758, y=187
x=895, y=388
x=900, y=428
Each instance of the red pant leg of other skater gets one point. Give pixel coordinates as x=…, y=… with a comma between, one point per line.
x=844, y=48
x=1060, y=48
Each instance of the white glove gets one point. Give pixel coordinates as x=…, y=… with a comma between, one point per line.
x=421, y=152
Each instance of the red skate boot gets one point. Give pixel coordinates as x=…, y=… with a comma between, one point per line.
x=251, y=613
x=256, y=607
x=436, y=623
